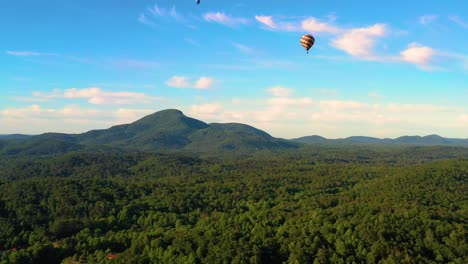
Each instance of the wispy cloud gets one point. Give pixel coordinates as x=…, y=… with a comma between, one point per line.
x=154, y=14
x=192, y=42
x=137, y=64
x=224, y=19
x=310, y=24
x=314, y=25
x=97, y=96
x=427, y=19
x=269, y=23
x=145, y=20
x=459, y=21
x=165, y=12
x=183, y=82
x=244, y=48
x=24, y=53
x=254, y=64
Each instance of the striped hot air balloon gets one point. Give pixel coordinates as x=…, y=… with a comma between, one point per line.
x=307, y=41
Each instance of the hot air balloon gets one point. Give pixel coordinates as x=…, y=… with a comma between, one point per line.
x=198, y=1
x=307, y=41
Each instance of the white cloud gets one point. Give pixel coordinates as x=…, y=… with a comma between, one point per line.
x=418, y=55
x=280, y=91
x=215, y=112
x=97, y=96
x=204, y=83
x=128, y=115
x=224, y=19
x=36, y=119
x=207, y=111
x=428, y=19
x=360, y=42
x=459, y=21
x=315, y=26
x=178, y=82
x=285, y=115
x=181, y=82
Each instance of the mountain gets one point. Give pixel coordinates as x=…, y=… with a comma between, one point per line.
x=167, y=130
x=430, y=140
x=170, y=130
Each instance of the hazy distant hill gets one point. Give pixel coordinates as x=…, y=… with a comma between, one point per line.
x=430, y=140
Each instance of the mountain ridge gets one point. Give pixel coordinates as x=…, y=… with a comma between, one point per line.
x=428, y=140
x=170, y=130
x=162, y=131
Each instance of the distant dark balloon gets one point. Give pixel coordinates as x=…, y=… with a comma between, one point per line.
x=307, y=41
x=198, y=2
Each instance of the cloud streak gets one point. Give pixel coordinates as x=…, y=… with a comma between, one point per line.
x=222, y=18
x=24, y=53
x=97, y=96
x=459, y=21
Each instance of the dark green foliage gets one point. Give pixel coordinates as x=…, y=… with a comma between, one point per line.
x=317, y=205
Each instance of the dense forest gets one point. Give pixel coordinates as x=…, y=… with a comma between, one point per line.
x=321, y=204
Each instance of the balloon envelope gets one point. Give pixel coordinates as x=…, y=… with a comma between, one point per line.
x=307, y=41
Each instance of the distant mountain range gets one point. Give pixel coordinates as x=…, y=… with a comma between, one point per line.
x=171, y=130
x=430, y=140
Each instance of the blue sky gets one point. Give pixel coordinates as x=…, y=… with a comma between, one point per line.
x=381, y=69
